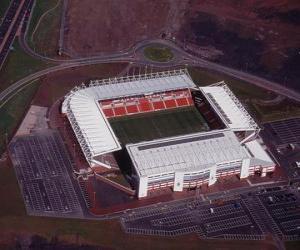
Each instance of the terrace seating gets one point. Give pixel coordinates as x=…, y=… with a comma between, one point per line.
x=145, y=105
x=132, y=109
x=158, y=101
x=120, y=111
x=159, y=105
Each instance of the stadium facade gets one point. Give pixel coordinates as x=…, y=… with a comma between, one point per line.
x=179, y=162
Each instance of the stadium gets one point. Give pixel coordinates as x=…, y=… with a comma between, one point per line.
x=225, y=144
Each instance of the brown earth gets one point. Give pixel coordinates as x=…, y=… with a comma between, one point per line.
x=96, y=26
x=259, y=20
x=261, y=37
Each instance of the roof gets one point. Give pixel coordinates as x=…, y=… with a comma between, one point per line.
x=145, y=84
x=258, y=153
x=228, y=107
x=192, y=152
x=89, y=123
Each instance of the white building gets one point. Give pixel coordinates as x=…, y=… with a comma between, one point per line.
x=87, y=119
x=178, y=162
x=192, y=160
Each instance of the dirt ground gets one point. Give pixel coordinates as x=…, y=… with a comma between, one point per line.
x=261, y=37
x=261, y=20
x=97, y=26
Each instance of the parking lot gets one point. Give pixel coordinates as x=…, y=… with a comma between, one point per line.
x=284, y=207
x=248, y=216
x=283, y=141
x=201, y=217
x=287, y=131
x=41, y=164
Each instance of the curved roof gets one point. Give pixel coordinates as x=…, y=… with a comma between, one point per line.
x=89, y=123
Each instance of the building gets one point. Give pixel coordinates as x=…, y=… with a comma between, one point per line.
x=178, y=162
x=195, y=159
x=87, y=112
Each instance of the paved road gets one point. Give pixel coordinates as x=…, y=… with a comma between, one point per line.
x=10, y=25
x=135, y=54
x=207, y=197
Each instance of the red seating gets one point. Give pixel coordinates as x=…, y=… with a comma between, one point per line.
x=108, y=113
x=120, y=111
x=132, y=109
x=182, y=102
x=159, y=105
x=145, y=105
x=170, y=104
x=106, y=102
x=158, y=101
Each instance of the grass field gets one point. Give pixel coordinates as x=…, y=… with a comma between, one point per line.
x=43, y=32
x=18, y=65
x=158, y=54
x=248, y=94
x=12, y=113
x=144, y=127
x=3, y=7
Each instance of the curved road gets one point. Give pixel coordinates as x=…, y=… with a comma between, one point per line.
x=181, y=58
x=135, y=55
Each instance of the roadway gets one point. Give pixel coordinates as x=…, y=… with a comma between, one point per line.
x=10, y=25
x=134, y=54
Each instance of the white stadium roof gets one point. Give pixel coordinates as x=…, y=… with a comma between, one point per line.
x=186, y=153
x=228, y=107
x=257, y=152
x=193, y=152
x=90, y=125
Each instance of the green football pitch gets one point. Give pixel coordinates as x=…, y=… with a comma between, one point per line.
x=160, y=124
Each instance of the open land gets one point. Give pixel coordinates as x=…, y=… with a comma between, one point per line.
x=114, y=25
x=43, y=31
x=253, y=36
x=13, y=112
x=18, y=65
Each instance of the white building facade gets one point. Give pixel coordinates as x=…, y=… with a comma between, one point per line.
x=195, y=159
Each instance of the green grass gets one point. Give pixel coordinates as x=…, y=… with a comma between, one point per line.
x=18, y=65
x=12, y=113
x=144, y=127
x=3, y=7
x=248, y=94
x=158, y=54
x=46, y=36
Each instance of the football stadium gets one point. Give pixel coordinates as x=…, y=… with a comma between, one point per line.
x=175, y=134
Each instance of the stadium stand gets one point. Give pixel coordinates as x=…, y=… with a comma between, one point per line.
x=178, y=162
